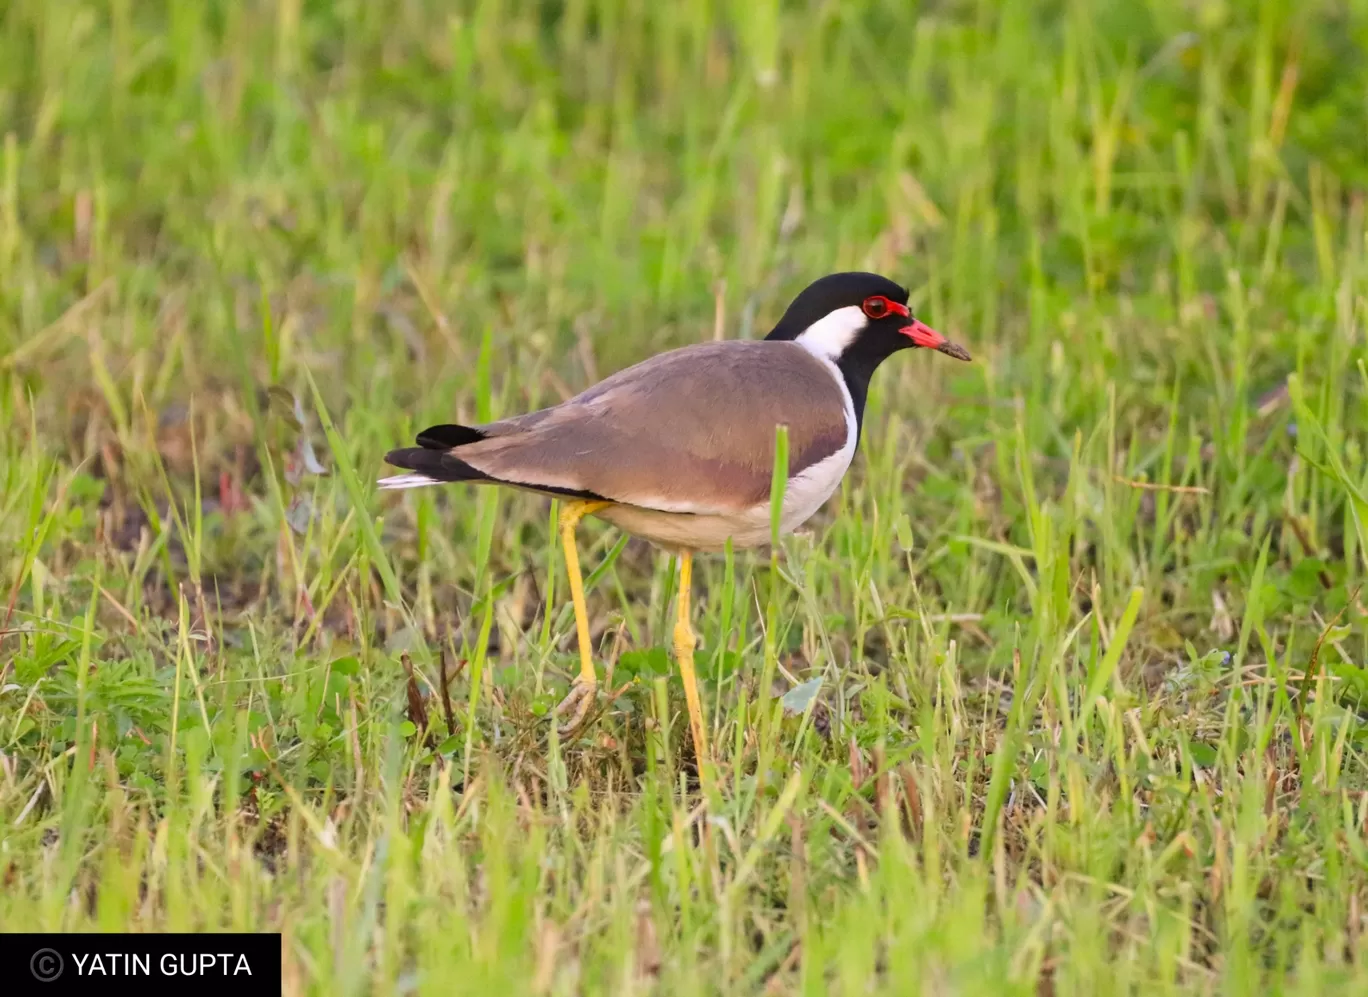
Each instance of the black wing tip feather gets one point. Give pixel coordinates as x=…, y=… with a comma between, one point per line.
x=448, y=437
x=435, y=464
x=433, y=459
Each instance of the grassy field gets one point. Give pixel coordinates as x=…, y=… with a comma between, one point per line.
x=1060, y=695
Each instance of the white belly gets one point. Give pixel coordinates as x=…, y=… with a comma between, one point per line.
x=804, y=495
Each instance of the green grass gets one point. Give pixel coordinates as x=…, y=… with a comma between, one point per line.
x=1084, y=614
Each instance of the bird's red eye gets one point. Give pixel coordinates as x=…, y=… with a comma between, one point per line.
x=876, y=307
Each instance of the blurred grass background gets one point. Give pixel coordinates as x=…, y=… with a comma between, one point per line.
x=1072, y=671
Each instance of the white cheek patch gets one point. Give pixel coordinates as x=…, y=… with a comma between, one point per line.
x=829, y=337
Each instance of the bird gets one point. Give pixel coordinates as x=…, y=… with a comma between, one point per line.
x=679, y=449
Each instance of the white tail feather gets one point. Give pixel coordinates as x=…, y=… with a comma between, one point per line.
x=406, y=481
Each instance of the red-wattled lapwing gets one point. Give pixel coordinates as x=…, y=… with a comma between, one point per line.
x=679, y=449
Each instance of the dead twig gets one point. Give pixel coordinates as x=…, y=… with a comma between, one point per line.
x=1154, y=486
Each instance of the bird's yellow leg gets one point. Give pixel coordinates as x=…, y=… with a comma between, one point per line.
x=581, y=695
x=684, y=644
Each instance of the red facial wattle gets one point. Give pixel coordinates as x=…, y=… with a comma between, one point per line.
x=877, y=307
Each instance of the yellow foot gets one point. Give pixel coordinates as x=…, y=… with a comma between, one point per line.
x=577, y=703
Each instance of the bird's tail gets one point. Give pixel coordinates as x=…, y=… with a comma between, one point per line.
x=397, y=481
x=432, y=461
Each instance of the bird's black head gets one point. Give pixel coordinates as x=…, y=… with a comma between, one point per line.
x=856, y=321
x=857, y=313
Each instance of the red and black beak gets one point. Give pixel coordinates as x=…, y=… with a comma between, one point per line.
x=923, y=335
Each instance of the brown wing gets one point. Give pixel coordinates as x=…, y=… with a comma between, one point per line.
x=691, y=430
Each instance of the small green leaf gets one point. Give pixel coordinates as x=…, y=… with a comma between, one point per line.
x=1203, y=754
x=800, y=697
x=1337, y=633
x=1305, y=580
x=1353, y=685
x=346, y=666
x=284, y=404
x=904, y=532
x=649, y=661
x=407, y=729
